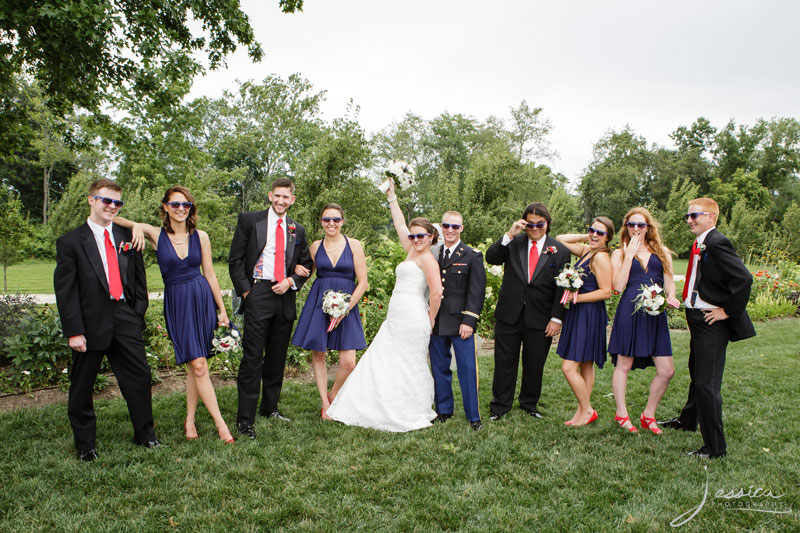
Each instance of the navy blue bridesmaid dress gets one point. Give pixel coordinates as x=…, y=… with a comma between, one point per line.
x=189, y=308
x=640, y=335
x=311, y=331
x=583, y=334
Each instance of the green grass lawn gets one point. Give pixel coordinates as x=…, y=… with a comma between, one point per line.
x=36, y=277
x=519, y=474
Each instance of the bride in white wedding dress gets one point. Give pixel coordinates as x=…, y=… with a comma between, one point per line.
x=391, y=387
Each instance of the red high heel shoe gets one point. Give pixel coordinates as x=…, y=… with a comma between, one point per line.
x=186, y=432
x=229, y=441
x=648, y=423
x=592, y=418
x=621, y=421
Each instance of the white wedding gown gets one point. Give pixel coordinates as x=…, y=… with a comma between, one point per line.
x=391, y=387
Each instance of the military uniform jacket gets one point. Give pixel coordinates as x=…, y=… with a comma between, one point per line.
x=464, y=282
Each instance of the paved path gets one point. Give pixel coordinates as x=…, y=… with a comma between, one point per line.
x=51, y=298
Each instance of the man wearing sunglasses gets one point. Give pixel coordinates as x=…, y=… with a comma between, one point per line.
x=716, y=292
x=464, y=282
x=266, y=248
x=101, y=295
x=528, y=311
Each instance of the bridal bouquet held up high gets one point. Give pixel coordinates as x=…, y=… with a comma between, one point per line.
x=571, y=280
x=651, y=299
x=337, y=305
x=401, y=172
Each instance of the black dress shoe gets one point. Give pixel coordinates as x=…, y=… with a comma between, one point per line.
x=276, y=414
x=673, y=423
x=441, y=418
x=534, y=412
x=245, y=428
x=87, y=456
x=495, y=417
x=702, y=454
x=150, y=444
x=476, y=425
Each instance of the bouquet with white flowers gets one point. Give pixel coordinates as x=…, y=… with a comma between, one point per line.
x=571, y=280
x=651, y=299
x=401, y=172
x=336, y=304
x=226, y=339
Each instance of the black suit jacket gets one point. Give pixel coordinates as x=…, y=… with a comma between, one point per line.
x=81, y=286
x=724, y=281
x=538, y=299
x=246, y=247
x=464, y=282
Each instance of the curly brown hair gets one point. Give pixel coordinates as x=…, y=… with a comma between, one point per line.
x=423, y=222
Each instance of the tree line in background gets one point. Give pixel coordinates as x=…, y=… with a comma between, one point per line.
x=229, y=149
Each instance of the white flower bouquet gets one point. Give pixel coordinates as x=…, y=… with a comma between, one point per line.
x=571, y=280
x=651, y=299
x=336, y=304
x=401, y=172
x=226, y=339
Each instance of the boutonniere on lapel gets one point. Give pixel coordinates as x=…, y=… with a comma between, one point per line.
x=550, y=250
x=125, y=247
x=701, y=247
x=703, y=254
x=292, y=228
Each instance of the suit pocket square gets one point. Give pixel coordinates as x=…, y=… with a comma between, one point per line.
x=552, y=265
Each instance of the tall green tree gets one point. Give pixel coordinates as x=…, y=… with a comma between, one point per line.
x=14, y=233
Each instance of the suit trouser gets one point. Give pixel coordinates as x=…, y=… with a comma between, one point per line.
x=707, y=349
x=535, y=347
x=467, y=369
x=129, y=363
x=264, y=347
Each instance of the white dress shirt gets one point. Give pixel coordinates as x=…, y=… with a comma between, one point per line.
x=100, y=240
x=699, y=303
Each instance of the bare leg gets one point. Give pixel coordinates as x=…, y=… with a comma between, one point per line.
x=619, y=384
x=205, y=390
x=319, y=366
x=191, y=405
x=572, y=371
x=347, y=362
x=664, y=372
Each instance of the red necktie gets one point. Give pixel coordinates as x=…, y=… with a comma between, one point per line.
x=280, y=254
x=114, y=281
x=533, y=258
x=695, y=252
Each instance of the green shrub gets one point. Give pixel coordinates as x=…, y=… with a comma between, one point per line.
x=38, y=352
x=12, y=308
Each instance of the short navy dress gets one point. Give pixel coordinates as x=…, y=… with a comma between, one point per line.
x=189, y=308
x=583, y=335
x=640, y=335
x=311, y=331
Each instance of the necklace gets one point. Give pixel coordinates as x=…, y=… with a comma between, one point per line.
x=336, y=249
x=178, y=242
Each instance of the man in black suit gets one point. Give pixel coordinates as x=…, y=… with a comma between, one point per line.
x=266, y=247
x=464, y=281
x=716, y=292
x=528, y=311
x=101, y=295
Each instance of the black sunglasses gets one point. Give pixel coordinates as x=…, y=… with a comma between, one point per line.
x=176, y=205
x=538, y=225
x=109, y=201
x=598, y=231
x=446, y=225
x=694, y=216
x=641, y=225
x=412, y=236
x=335, y=220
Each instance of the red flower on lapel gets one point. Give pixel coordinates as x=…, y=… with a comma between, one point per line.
x=125, y=247
x=291, y=227
x=550, y=250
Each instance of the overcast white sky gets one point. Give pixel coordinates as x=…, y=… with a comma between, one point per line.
x=592, y=66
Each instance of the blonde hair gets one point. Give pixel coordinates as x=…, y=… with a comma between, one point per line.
x=707, y=204
x=651, y=236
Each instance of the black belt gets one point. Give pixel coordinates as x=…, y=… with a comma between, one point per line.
x=118, y=302
x=269, y=281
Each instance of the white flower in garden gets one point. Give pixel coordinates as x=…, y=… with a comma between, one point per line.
x=26, y=372
x=496, y=270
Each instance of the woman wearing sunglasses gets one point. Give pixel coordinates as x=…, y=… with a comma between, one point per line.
x=190, y=297
x=638, y=339
x=338, y=261
x=583, y=336
x=391, y=388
